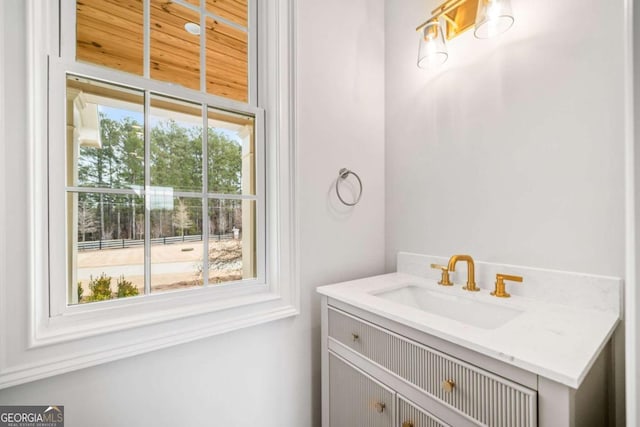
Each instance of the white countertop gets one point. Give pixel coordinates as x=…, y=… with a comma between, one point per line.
x=553, y=339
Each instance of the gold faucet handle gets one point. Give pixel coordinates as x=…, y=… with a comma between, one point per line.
x=500, y=290
x=444, y=280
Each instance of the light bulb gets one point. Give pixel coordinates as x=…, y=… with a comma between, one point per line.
x=494, y=17
x=432, y=50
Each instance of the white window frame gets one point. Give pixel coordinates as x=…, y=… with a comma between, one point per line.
x=55, y=341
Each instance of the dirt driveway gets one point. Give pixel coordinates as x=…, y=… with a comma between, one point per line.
x=173, y=266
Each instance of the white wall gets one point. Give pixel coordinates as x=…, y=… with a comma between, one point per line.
x=513, y=152
x=633, y=222
x=267, y=375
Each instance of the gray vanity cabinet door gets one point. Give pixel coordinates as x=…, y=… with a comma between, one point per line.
x=355, y=399
x=410, y=415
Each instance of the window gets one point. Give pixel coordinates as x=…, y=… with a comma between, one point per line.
x=164, y=150
x=200, y=204
x=104, y=141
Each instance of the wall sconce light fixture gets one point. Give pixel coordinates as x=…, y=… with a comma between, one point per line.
x=489, y=18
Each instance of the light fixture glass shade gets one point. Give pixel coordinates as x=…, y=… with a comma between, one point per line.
x=432, y=50
x=494, y=17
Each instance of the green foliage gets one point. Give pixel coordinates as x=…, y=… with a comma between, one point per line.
x=225, y=164
x=126, y=288
x=119, y=161
x=176, y=161
x=176, y=156
x=80, y=291
x=100, y=288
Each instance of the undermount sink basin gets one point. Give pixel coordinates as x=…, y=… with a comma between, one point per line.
x=466, y=310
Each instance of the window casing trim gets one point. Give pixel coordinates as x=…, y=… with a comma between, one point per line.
x=58, y=69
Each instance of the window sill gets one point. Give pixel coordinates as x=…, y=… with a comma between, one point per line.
x=143, y=339
x=213, y=305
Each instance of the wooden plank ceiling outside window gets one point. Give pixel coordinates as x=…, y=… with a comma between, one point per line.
x=110, y=33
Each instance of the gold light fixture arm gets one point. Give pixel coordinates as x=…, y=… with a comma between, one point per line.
x=443, y=9
x=424, y=24
x=451, y=22
x=460, y=15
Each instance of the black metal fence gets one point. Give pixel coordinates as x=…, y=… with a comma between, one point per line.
x=129, y=243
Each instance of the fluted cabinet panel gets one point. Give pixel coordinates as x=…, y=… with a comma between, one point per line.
x=356, y=400
x=410, y=416
x=478, y=394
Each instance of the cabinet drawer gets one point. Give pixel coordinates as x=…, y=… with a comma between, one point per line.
x=478, y=394
x=355, y=399
x=410, y=415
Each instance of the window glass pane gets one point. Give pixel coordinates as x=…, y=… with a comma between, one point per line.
x=105, y=135
x=110, y=33
x=232, y=240
x=105, y=246
x=227, y=66
x=175, y=52
x=176, y=145
x=231, y=153
x=176, y=242
x=233, y=10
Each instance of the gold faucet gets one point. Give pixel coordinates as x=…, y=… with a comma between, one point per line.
x=500, y=290
x=471, y=278
x=444, y=279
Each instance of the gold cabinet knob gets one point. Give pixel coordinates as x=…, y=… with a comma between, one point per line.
x=355, y=337
x=408, y=424
x=448, y=385
x=500, y=290
x=380, y=407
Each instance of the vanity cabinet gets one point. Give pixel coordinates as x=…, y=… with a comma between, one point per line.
x=377, y=372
